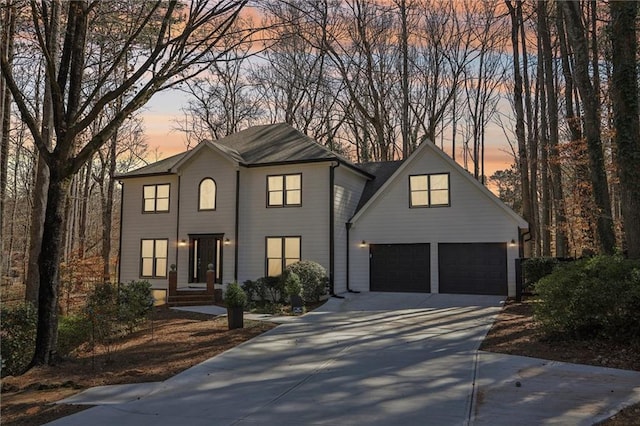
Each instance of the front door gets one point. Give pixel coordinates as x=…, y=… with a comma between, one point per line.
x=205, y=250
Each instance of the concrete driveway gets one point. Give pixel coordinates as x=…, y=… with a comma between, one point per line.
x=369, y=359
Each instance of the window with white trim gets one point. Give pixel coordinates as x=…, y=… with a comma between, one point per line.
x=431, y=190
x=281, y=252
x=284, y=190
x=155, y=198
x=207, y=194
x=153, y=258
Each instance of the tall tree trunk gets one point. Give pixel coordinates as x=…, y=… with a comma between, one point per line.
x=532, y=143
x=84, y=207
x=6, y=50
x=48, y=293
x=577, y=38
x=545, y=210
x=552, y=109
x=626, y=117
x=107, y=210
x=523, y=162
x=41, y=185
x=404, y=46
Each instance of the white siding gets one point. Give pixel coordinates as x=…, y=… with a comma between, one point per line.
x=472, y=217
x=348, y=186
x=207, y=164
x=137, y=226
x=309, y=221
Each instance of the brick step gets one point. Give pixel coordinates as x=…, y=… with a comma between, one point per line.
x=190, y=299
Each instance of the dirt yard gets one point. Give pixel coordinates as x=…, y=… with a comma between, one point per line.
x=172, y=342
x=515, y=333
x=176, y=340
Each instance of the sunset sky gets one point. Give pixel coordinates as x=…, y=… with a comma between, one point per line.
x=163, y=111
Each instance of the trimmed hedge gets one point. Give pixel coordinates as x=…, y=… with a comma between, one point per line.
x=591, y=298
x=313, y=278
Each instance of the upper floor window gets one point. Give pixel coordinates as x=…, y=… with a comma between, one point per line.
x=207, y=194
x=284, y=190
x=156, y=198
x=281, y=252
x=153, y=258
x=429, y=190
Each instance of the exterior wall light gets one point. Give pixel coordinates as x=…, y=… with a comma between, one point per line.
x=182, y=243
x=363, y=244
x=227, y=241
x=512, y=243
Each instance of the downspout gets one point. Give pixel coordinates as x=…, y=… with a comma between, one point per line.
x=235, y=256
x=178, y=224
x=332, y=236
x=348, y=226
x=177, y=233
x=120, y=236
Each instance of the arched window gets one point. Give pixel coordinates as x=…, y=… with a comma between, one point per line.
x=207, y=198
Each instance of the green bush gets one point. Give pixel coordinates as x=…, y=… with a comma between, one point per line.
x=313, y=278
x=265, y=289
x=73, y=330
x=591, y=298
x=17, y=333
x=253, y=290
x=292, y=284
x=135, y=301
x=235, y=297
x=536, y=268
x=114, y=310
x=102, y=312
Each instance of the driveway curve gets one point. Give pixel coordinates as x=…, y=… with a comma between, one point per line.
x=367, y=359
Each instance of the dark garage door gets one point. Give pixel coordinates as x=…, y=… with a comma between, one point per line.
x=473, y=268
x=400, y=267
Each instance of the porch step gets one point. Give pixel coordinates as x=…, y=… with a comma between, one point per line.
x=190, y=298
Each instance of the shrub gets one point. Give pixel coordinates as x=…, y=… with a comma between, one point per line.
x=273, y=288
x=591, y=298
x=292, y=284
x=18, y=332
x=102, y=312
x=253, y=290
x=73, y=330
x=235, y=297
x=135, y=301
x=265, y=289
x=313, y=278
x=536, y=268
x=117, y=310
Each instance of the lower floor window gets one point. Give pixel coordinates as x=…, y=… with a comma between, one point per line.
x=281, y=252
x=153, y=263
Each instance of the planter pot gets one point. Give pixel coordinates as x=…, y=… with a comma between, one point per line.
x=296, y=305
x=235, y=317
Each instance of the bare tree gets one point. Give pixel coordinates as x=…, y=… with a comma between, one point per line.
x=7, y=32
x=173, y=43
x=624, y=96
x=561, y=244
x=576, y=31
x=515, y=12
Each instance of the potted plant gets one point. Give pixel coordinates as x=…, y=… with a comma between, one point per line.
x=235, y=299
x=293, y=289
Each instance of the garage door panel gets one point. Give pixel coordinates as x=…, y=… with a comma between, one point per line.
x=472, y=268
x=400, y=267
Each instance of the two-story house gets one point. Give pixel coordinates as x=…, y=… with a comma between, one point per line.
x=255, y=201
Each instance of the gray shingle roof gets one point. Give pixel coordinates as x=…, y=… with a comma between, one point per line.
x=158, y=168
x=255, y=146
x=382, y=171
